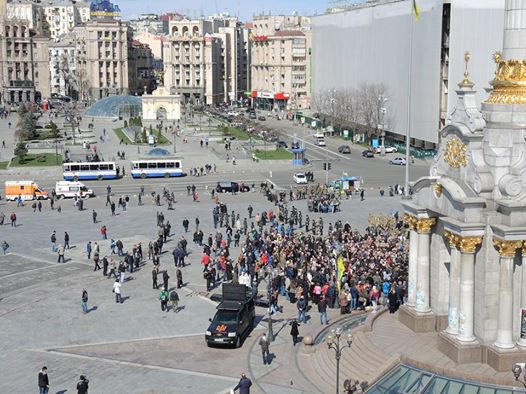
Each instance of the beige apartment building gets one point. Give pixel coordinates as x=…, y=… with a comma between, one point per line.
x=206, y=60
x=63, y=15
x=103, y=50
x=280, y=64
x=24, y=62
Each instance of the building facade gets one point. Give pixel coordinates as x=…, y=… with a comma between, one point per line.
x=31, y=13
x=24, y=63
x=205, y=60
x=147, y=23
x=280, y=61
x=63, y=15
x=140, y=64
x=63, y=67
x=103, y=51
x=416, y=62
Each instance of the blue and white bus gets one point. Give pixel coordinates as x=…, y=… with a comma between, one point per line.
x=89, y=171
x=156, y=168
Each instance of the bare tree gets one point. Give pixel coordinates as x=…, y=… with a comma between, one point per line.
x=371, y=101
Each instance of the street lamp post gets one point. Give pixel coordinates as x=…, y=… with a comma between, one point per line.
x=333, y=342
x=175, y=135
x=517, y=370
x=382, y=100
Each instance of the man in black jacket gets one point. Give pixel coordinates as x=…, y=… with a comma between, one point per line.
x=43, y=381
x=82, y=385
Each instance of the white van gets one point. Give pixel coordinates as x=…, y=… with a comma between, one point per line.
x=320, y=141
x=67, y=189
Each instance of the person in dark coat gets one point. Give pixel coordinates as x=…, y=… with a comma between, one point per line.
x=155, y=286
x=82, y=385
x=294, y=331
x=244, y=385
x=165, y=279
x=393, y=300
x=179, y=275
x=43, y=381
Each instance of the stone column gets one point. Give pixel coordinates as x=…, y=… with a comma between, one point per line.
x=522, y=342
x=467, y=246
x=423, y=227
x=454, y=283
x=507, y=250
x=413, y=256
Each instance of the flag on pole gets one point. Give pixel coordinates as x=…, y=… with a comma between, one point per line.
x=341, y=270
x=416, y=10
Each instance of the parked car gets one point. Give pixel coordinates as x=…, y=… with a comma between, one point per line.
x=228, y=186
x=399, y=161
x=388, y=149
x=345, y=149
x=281, y=144
x=261, y=117
x=299, y=178
x=252, y=115
x=368, y=153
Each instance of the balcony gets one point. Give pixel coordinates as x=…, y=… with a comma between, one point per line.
x=20, y=84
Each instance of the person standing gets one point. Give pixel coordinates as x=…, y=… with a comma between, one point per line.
x=82, y=385
x=104, y=232
x=117, y=289
x=179, y=275
x=322, y=308
x=163, y=297
x=264, y=343
x=174, y=300
x=43, y=381
x=302, y=308
x=54, y=241
x=244, y=385
x=84, y=302
x=294, y=332
x=165, y=279
x=94, y=216
x=60, y=252
x=155, y=286
x=89, y=249
x=66, y=240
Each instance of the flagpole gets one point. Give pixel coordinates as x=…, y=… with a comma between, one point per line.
x=409, y=87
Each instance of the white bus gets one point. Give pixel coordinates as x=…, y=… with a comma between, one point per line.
x=156, y=168
x=89, y=171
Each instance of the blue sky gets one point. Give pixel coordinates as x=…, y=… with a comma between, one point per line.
x=242, y=8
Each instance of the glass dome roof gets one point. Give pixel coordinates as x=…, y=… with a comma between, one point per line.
x=115, y=106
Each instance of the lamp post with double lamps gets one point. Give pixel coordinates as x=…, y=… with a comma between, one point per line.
x=382, y=112
x=517, y=370
x=333, y=342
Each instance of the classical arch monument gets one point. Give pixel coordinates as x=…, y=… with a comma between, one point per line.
x=467, y=265
x=161, y=105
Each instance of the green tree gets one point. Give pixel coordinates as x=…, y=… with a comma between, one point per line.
x=54, y=132
x=26, y=127
x=21, y=152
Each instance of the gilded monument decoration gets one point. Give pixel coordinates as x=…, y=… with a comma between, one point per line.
x=509, y=85
x=456, y=153
x=469, y=244
x=424, y=225
x=507, y=248
x=410, y=221
x=437, y=189
x=454, y=239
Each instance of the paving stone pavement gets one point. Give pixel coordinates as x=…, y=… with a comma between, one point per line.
x=133, y=347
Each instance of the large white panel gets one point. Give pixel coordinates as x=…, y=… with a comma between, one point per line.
x=372, y=44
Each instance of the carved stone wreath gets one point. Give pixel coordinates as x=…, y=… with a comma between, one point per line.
x=456, y=153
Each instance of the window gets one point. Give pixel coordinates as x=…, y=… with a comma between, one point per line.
x=177, y=164
x=170, y=164
x=152, y=165
x=161, y=165
x=143, y=165
x=103, y=167
x=93, y=167
x=84, y=167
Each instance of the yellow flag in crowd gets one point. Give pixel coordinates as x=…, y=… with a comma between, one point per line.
x=416, y=10
x=341, y=270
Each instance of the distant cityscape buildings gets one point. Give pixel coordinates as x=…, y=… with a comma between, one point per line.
x=282, y=62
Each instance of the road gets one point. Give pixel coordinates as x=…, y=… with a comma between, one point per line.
x=376, y=171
